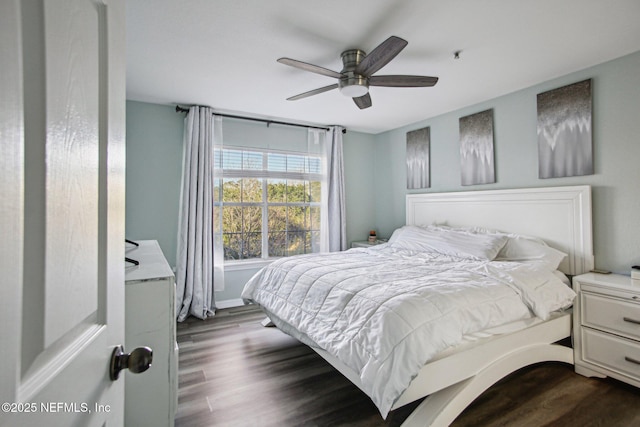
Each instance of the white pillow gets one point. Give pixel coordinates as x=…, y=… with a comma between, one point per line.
x=528, y=249
x=445, y=241
x=524, y=249
x=518, y=247
x=541, y=290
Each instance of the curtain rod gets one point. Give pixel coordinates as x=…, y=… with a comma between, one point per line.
x=180, y=109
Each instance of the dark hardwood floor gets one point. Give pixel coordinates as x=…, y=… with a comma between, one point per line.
x=235, y=372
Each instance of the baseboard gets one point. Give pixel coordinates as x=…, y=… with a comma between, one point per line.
x=228, y=303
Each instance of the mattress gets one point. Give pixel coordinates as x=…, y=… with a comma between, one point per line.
x=385, y=312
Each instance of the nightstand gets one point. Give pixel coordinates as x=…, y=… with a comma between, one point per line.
x=366, y=243
x=606, y=327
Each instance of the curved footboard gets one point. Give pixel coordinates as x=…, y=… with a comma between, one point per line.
x=442, y=407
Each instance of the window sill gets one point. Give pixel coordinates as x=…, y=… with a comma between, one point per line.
x=252, y=264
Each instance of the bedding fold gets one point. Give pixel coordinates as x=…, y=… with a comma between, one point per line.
x=386, y=311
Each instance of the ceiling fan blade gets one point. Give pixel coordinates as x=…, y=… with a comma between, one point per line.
x=309, y=67
x=381, y=55
x=313, y=92
x=402, y=81
x=363, y=101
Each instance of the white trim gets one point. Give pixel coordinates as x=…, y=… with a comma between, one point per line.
x=229, y=303
x=249, y=264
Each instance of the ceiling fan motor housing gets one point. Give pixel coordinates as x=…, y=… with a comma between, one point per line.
x=352, y=84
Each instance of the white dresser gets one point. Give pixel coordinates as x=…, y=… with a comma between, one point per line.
x=151, y=396
x=606, y=322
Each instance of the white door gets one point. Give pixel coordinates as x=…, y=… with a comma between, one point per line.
x=62, y=102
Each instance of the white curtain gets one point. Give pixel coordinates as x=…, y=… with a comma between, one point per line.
x=195, y=252
x=333, y=228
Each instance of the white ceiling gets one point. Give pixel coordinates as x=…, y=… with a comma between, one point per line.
x=222, y=53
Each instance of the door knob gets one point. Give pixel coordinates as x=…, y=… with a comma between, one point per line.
x=139, y=360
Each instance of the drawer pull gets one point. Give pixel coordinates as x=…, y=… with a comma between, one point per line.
x=629, y=359
x=630, y=320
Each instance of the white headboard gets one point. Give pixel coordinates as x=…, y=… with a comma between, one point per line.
x=559, y=215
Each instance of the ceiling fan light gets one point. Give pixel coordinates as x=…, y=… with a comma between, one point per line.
x=354, y=91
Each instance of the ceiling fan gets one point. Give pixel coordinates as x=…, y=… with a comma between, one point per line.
x=357, y=74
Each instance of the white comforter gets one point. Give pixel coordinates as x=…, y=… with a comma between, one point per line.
x=386, y=312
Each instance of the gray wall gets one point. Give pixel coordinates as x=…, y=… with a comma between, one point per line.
x=616, y=139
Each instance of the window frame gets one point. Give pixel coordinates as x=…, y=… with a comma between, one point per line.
x=264, y=175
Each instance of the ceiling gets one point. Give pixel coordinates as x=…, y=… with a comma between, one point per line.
x=222, y=53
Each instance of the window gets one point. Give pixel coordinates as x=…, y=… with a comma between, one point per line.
x=267, y=202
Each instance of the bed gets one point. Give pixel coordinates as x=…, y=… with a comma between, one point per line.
x=390, y=360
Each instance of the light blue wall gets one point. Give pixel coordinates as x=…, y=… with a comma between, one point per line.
x=360, y=172
x=375, y=171
x=616, y=138
x=154, y=165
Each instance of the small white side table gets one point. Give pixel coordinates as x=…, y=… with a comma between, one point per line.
x=606, y=326
x=366, y=243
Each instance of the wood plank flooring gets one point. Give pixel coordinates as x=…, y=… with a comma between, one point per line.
x=235, y=372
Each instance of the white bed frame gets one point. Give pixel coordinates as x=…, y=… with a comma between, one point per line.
x=559, y=215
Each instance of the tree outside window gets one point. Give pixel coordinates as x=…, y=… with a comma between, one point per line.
x=269, y=203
